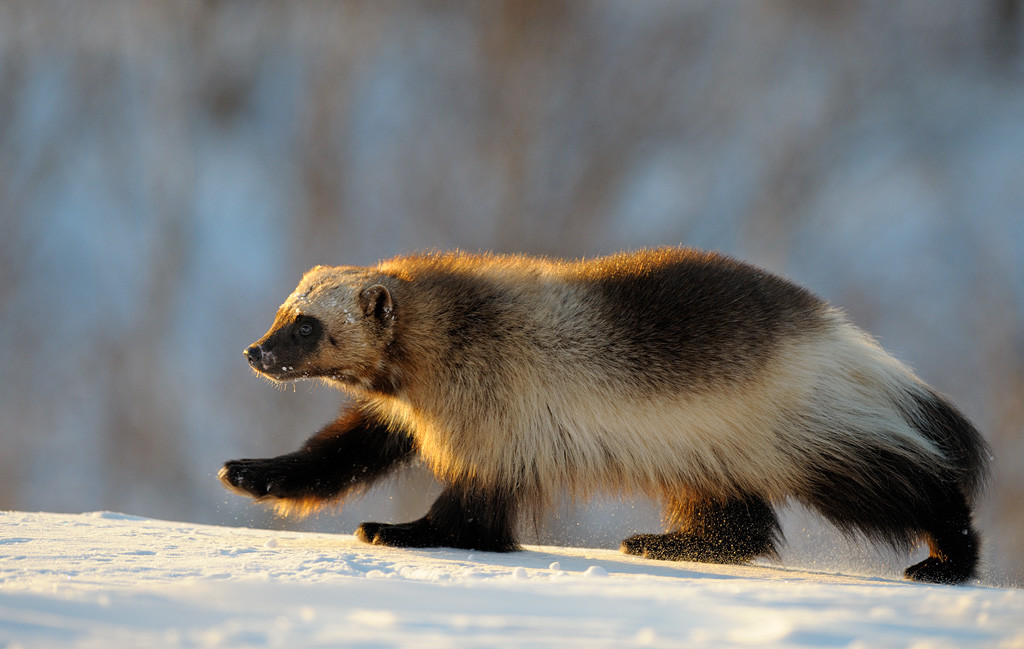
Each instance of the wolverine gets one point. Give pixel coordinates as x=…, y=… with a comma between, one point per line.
x=708, y=384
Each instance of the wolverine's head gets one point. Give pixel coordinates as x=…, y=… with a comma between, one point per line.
x=337, y=325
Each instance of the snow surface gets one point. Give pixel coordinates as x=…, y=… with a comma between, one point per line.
x=112, y=580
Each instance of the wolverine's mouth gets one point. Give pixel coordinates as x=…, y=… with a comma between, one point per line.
x=261, y=360
x=267, y=364
x=283, y=373
x=270, y=365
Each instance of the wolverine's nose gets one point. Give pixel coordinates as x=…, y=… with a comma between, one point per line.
x=254, y=355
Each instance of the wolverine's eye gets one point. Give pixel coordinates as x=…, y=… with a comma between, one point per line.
x=305, y=329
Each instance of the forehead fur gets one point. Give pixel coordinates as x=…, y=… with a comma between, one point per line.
x=325, y=292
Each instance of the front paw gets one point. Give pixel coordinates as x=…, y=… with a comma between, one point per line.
x=255, y=478
x=417, y=534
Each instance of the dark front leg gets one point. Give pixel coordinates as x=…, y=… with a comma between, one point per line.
x=462, y=517
x=346, y=455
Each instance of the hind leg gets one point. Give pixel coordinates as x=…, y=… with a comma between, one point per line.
x=733, y=531
x=953, y=545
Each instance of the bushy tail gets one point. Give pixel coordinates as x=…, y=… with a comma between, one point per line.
x=943, y=424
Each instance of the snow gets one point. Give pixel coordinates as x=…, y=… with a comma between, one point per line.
x=110, y=580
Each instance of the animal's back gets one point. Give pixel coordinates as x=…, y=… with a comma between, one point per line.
x=670, y=318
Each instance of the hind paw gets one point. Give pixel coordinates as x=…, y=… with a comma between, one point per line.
x=677, y=546
x=669, y=547
x=935, y=570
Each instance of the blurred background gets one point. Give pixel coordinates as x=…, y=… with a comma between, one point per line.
x=169, y=169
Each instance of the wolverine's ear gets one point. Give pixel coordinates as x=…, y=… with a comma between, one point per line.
x=376, y=302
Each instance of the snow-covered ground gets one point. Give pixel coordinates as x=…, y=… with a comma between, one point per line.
x=111, y=580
